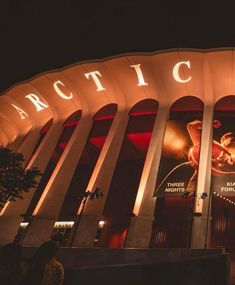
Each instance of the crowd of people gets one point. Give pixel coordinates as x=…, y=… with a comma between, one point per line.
x=42, y=269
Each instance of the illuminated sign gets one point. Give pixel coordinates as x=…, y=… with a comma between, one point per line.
x=140, y=76
x=22, y=113
x=176, y=72
x=56, y=85
x=96, y=76
x=37, y=102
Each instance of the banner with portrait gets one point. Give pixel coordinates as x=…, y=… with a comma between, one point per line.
x=179, y=160
x=223, y=157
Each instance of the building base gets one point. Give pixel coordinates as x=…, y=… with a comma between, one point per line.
x=39, y=230
x=8, y=228
x=139, y=233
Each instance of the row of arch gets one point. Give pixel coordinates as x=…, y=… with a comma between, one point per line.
x=183, y=104
x=129, y=166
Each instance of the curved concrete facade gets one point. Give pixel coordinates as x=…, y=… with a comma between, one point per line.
x=125, y=80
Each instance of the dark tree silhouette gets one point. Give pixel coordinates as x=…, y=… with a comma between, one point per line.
x=14, y=179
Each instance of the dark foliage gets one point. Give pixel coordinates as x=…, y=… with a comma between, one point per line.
x=14, y=179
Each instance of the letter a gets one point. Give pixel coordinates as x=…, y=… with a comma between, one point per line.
x=22, y=113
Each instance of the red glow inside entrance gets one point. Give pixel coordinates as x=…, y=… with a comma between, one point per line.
x=140, y=140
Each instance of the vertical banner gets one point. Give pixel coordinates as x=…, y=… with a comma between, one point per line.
x=179, y=160
x=223, y=157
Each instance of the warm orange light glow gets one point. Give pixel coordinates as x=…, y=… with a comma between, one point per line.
x=43, y=196
x=174, y=142
x=4, y=208
x=138, y=199
x=198, y=206
x=101, y=224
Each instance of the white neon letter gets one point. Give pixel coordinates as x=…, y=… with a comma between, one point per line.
x=22, y=113
x=59, y=92
x=176, y=71
x=140, y=76
x=37, y=102
x=94, y=76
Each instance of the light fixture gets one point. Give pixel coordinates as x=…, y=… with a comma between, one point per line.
x=101, y=224
x=64, y=224
x=204, y=195
x=23, y=225
x=185, y=194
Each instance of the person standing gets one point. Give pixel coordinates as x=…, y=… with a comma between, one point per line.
x=13, y=267
x=45, y=269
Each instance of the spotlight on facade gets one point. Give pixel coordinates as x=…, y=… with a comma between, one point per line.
x=101, y=224
x=23, y=225
x=204, y=195
x=97, y=194
x=185, y=194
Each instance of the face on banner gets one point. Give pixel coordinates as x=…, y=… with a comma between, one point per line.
x=223, y=157
x=179, y=160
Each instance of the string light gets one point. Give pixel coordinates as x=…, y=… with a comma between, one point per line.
x=224, y=198
x=64, y=224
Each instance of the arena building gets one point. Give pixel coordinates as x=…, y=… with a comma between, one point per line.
x=154, y=132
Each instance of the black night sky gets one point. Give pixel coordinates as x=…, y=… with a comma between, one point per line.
x=37, y=36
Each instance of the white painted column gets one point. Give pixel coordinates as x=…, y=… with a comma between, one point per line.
x=50, y=203
x=200, y=234
x=139, y=233
x=11, y=217
x=202, y=216
x=101, y=177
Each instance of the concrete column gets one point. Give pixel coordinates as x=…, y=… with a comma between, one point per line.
x=101, y=177
x=202, y=215
x=12, y=215
x=140, y=229
x=50, y=203
x=29, y=144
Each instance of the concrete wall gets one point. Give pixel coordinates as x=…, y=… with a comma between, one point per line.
x=199, y=271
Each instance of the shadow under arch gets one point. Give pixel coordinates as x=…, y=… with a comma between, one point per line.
x=187, y=106
x=225, y=106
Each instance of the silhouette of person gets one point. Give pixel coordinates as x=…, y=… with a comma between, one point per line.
x=58, y=238
x=12, y=266
x=45, y=269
